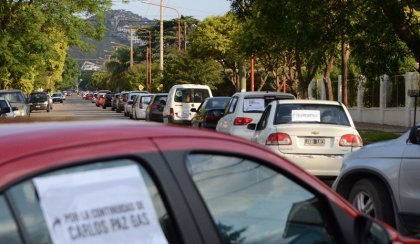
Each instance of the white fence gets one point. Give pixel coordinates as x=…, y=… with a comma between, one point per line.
x=384, y=114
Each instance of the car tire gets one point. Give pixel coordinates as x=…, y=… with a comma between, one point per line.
x=48, y=110
x=371, y=194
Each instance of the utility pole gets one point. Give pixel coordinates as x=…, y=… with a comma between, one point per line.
x=161, y=37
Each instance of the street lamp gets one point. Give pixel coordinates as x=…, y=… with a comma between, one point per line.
x=179, y=20
x=161, y=29
x=148, y=55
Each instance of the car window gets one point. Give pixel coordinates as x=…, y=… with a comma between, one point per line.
x=262, y=123
x=8, y=228
x=200, y=95
x=311, y=113
x=251, y=203
x=3, y=104
x=232, y=105
x=104, y=202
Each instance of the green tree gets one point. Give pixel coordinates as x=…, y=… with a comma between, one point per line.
x=35, y=36
x=404, y=17
x=213, y=38
x=70, y=75
x=181, y=68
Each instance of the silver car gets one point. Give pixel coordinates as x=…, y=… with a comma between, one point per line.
x=383, y=180
x=17, y=99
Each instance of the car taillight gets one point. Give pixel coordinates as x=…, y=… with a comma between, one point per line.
x=153, y=106
x=242, y=121
x=171, y=112
x=350, y=140
x=211, y=118
x=278, y=139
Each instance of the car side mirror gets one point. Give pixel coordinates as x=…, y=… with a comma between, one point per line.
x=251, y=126
x=194, y=110
x=414, y=136
x=368, y=230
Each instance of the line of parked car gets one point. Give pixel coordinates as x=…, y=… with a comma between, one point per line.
x=380, y=180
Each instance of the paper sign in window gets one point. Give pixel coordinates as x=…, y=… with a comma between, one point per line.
x=306, y=116
x=256, y=104
x=99, y=206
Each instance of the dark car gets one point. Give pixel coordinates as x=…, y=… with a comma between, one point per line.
x=108, y=100
x=161, y=184
x=155, y=108
x=209, y=112
x=114, y=101
x=57, y=97
x=17, y=99
x=40, y=101
x=122, y=101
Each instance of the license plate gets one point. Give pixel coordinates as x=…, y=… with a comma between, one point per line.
x=314, y=141
x=185, y=114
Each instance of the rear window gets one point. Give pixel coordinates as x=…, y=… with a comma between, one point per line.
x=256, y=104
x=310, y=113
x=191, y=95
x=217, y=103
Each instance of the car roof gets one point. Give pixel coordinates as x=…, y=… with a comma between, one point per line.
x=303, y=101
x=11, y=90
x=261, y=93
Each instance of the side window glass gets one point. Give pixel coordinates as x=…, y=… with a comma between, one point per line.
x=232, y=105
x=105, y=202
x=8, y=228
x=251, y=203
x=262, y=123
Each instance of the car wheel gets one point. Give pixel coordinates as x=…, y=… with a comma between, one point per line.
x=48, y=110
x=125, y=114
x=61, y=101
x=371, y=198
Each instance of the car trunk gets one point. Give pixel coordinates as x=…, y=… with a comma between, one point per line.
x=315, y=139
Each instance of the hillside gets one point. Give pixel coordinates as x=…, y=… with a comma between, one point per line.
x=115, y=21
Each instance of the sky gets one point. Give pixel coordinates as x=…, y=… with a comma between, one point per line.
x=199, y=9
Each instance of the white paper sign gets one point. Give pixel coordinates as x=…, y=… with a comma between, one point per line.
x=99, y=206
x=306, y=116
x=256, y=104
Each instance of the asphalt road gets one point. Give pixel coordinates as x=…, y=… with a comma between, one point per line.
x=76, y=108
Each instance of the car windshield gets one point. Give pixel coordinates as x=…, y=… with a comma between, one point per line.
x=310, y=113
x=57, y=95
x=38, y=97
x=13, y=97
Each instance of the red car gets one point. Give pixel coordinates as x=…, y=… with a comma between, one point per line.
x=89, y=96
x=160, y=184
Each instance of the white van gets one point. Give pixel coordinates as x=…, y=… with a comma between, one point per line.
x=181, y=99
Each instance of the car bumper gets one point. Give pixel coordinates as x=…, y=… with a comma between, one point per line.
x=39, y=107
x=318, y=165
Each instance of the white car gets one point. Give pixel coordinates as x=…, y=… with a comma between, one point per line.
x=128, y=105
x=314, y=134
x=244, y=108
x=140, y=106
x=182, y=100
x=6, y=110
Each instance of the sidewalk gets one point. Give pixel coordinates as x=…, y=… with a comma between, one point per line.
x=387, y=128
